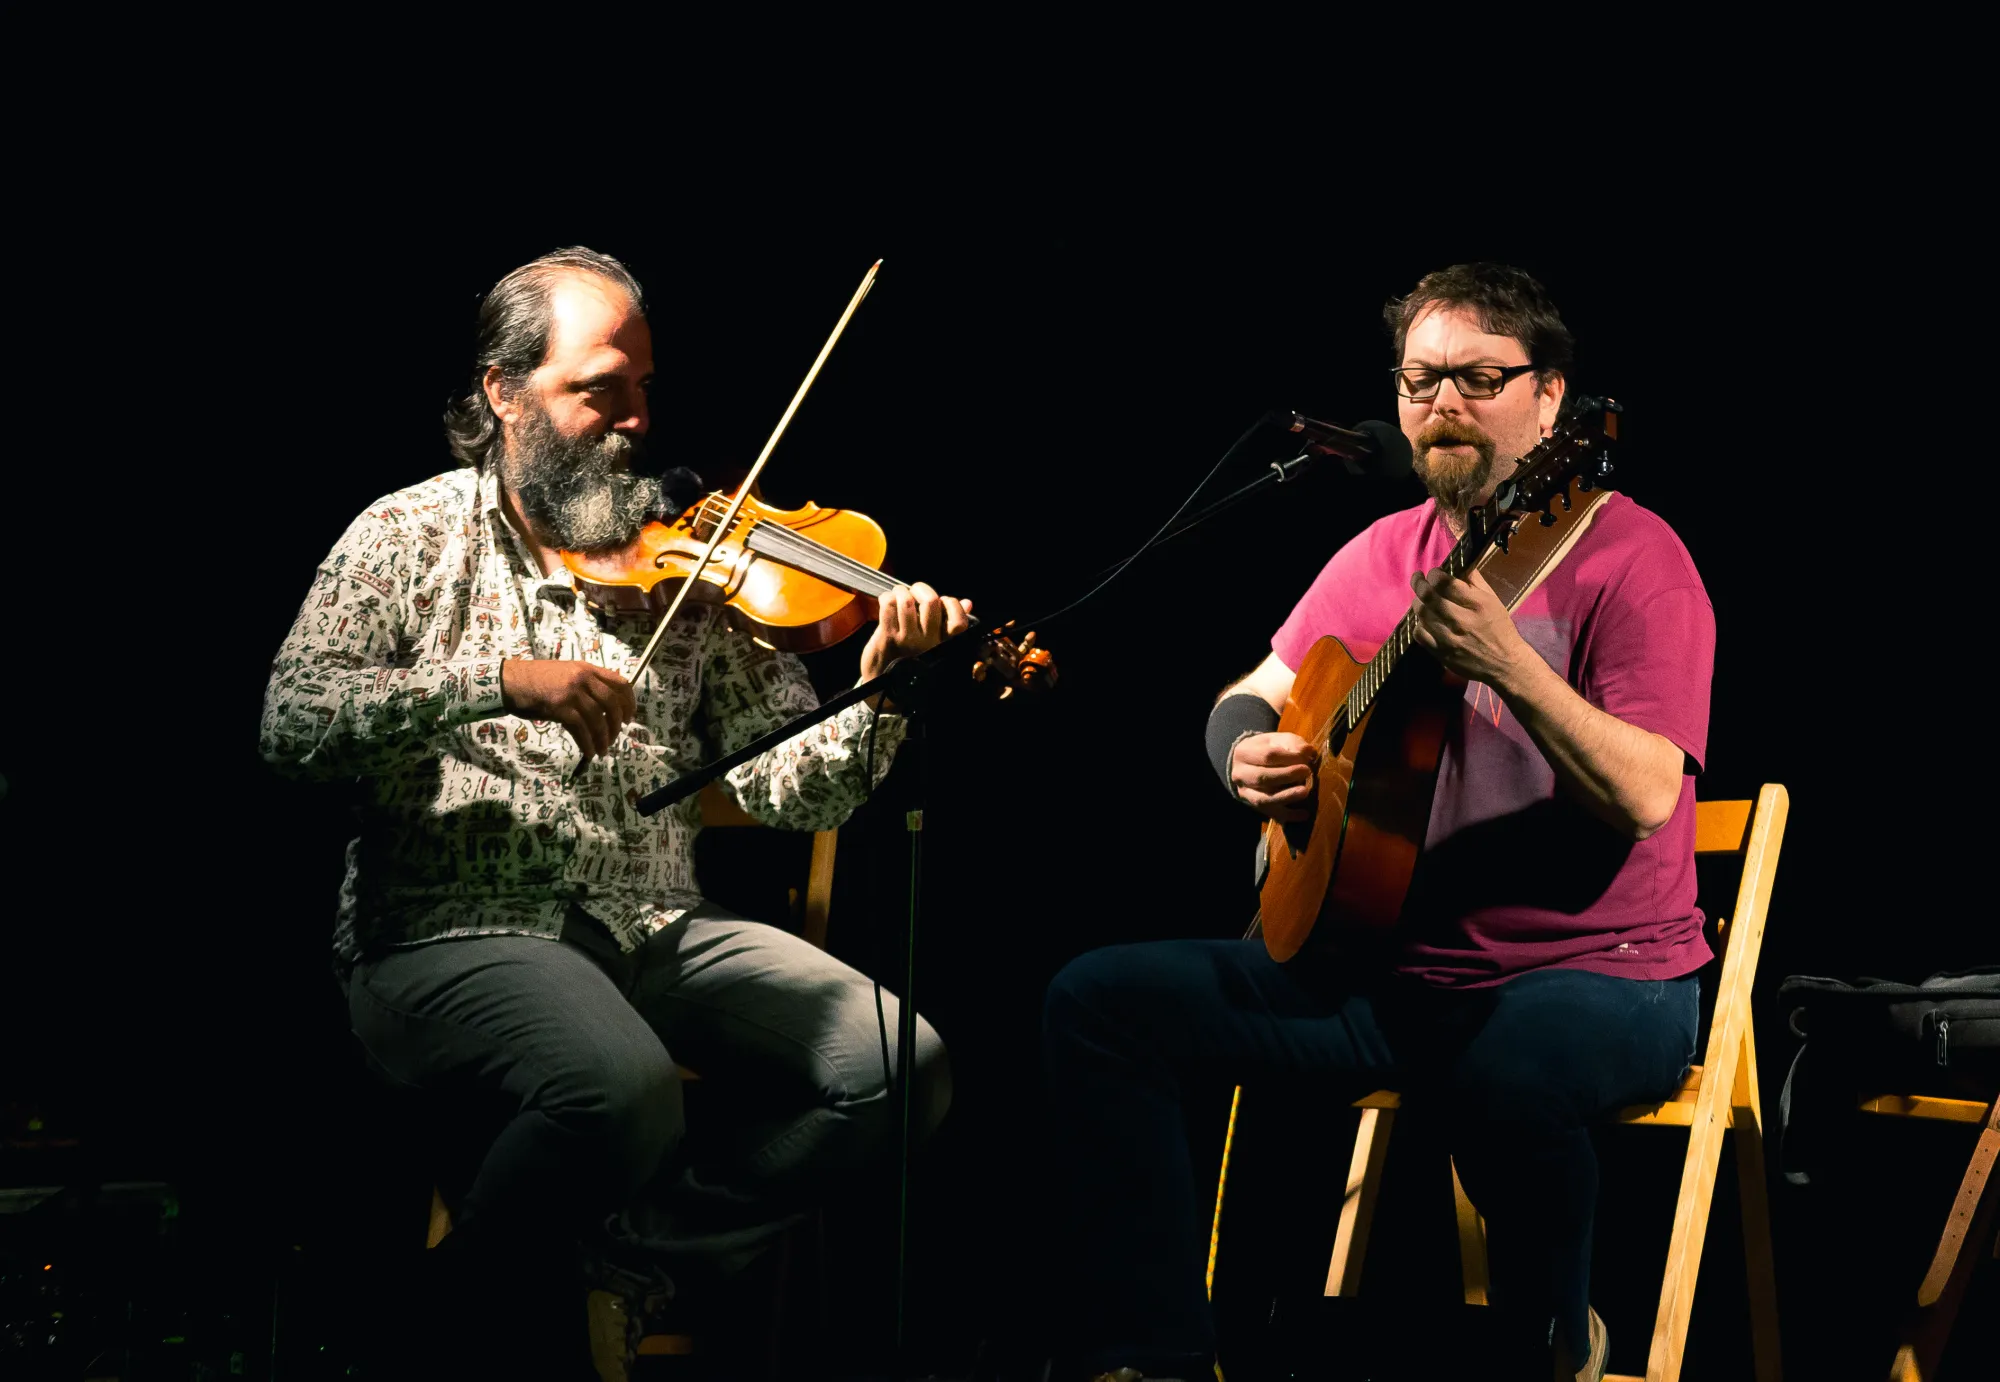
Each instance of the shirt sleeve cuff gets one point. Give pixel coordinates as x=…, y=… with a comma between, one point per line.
x=479, y=692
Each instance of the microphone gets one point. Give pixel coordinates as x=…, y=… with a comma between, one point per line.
x=680, y=488
x=1368, y=448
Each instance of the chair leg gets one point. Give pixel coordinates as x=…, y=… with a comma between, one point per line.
x=1471, y=1243
x=1694, y=1200
x=1972, y=1220
x=1759, y=1268
x=1357, y=1209
x=440, y=1223
x=1221, y=1184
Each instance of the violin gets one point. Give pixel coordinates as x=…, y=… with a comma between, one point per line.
x=800, y=605
x=790, y=578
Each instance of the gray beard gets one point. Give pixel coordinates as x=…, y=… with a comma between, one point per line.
x=579, y=493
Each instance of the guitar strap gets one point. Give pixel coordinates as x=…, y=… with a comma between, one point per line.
x=1534, y=550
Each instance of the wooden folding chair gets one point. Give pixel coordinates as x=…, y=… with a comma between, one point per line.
x=1968, y=1230
x=1718, y=1094
x=809, y=912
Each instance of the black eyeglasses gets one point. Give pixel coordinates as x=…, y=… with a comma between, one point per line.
x=1474, y=381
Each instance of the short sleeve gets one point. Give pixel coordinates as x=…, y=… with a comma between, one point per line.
x=1358, y=596
x=1650, y=663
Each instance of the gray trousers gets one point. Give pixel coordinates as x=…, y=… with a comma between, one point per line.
x=558, y=1059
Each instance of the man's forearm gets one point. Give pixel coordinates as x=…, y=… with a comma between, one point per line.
x=1628, y=777
x=326, y=717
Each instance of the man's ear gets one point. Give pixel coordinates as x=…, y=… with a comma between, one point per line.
x=504, y=408
x=1550, y=399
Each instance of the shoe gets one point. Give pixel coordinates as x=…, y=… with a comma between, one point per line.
x=1600, y=1353
x=618, y=1312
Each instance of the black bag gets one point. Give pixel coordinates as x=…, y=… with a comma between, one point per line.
x=1938, y=1037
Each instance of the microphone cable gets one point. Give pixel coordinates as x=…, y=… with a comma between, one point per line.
x=1159, y=532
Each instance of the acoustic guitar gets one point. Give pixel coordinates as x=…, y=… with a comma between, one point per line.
x=1380, y=725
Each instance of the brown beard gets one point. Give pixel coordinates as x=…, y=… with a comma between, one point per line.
x=579, y=493
x=1454, y=481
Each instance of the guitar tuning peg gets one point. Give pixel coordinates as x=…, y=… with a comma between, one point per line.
x=979, y=670
x=1028, y=640
x=1006, y=693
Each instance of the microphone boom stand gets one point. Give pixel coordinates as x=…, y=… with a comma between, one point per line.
x=904, y=683
x=907, y=683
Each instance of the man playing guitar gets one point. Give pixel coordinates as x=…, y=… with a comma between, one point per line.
x=1543, y=974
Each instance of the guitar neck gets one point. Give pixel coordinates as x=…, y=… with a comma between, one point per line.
x=1462, y=558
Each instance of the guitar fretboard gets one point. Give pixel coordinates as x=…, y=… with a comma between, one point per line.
x=1369, y=684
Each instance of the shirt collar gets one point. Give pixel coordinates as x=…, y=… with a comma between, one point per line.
x=560, y=581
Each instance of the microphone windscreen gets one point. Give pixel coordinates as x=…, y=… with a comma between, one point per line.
x=1392, y=449
x=680, y=488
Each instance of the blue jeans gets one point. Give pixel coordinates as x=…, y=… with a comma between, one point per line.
x=1516, y=1072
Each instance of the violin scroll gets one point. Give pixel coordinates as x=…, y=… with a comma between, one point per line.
x=1009, y=666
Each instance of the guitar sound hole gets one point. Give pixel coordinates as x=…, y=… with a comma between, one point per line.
x=1298, y=834
x=1337, y=736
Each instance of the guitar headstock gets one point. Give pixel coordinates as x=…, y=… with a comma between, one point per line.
x=1579, y=449
x=1008, y=666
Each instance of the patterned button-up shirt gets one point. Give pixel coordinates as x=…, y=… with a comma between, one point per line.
x=476, y=822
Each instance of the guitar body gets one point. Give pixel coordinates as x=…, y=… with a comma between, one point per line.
x=1349, y=866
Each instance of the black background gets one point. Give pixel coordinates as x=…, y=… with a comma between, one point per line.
x=1037, y=380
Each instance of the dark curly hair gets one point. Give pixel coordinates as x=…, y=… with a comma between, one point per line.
x=514, y=326
x=1508, y=301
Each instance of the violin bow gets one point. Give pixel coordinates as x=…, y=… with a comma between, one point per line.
x=728, y=519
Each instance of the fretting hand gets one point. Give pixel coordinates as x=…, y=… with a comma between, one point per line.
x=593, y=703
x=1272, y=774
x=1466, y=627
x=911, y=619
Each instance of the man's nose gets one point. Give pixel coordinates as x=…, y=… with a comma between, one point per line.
x=1448, y=399
x=638, y=417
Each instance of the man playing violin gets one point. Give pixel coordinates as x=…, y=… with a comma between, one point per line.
x=518, y=943
x=1543, y=975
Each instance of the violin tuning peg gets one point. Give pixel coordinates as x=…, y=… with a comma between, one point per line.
x=979, y=670
x=1006, y=693
x=1028, y=639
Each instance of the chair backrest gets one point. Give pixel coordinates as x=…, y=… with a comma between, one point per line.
x=719, y=808
x=810, y=908
x=1754, y=831
x=1720, y=827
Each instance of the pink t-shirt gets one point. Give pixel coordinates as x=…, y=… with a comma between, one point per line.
x=1514, y=876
